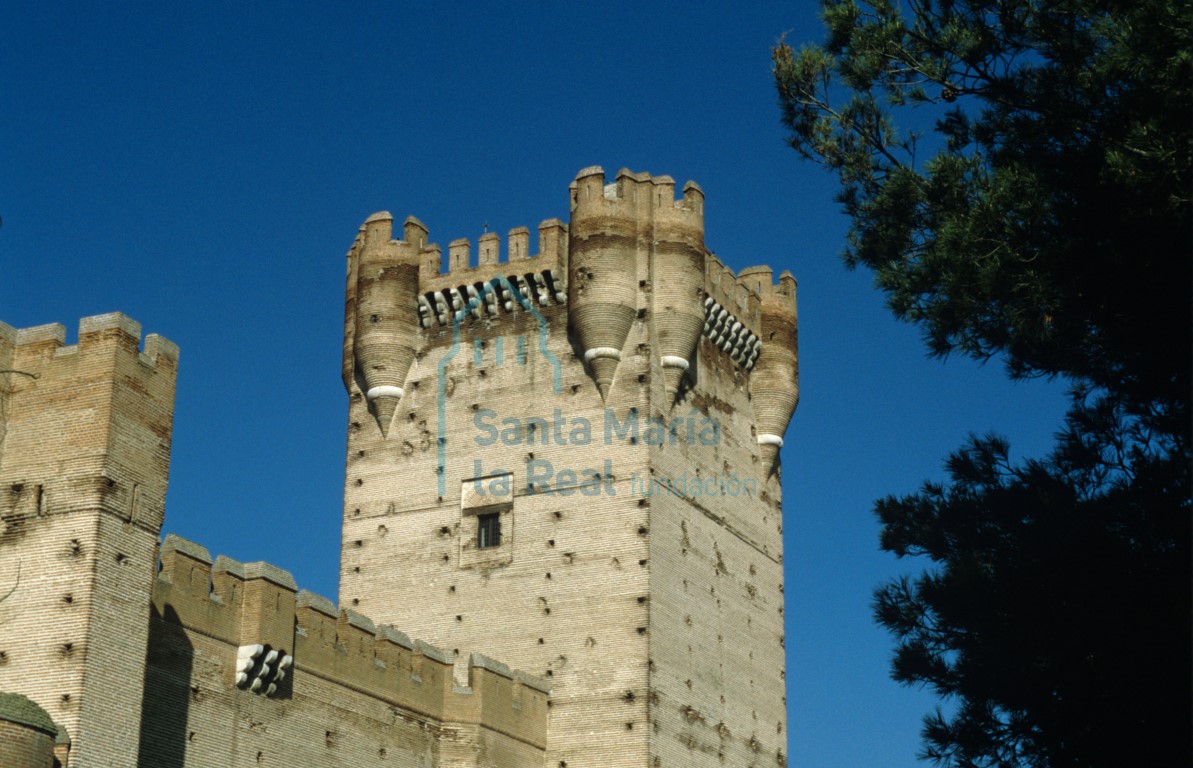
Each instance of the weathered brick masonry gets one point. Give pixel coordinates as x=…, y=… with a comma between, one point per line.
x=567, y=461
x=86, y=449
x=633, y=391
x=28, y=736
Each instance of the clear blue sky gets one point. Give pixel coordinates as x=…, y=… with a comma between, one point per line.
x=204, y=171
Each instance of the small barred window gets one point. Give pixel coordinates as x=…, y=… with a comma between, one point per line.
x=488, y=530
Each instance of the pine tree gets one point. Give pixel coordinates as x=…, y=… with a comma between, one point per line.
x=1018, y=175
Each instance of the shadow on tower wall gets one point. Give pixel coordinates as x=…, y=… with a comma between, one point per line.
x=165, y=708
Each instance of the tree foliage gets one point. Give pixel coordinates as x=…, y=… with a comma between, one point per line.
x=1018, y=175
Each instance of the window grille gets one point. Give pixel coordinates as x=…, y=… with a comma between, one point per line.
x=488, y=530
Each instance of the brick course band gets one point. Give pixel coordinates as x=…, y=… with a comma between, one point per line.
x=596, y=352
x=384, y=391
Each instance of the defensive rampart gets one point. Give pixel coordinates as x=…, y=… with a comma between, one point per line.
x=293, y=677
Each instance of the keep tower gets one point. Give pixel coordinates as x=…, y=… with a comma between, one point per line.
x=569, y=461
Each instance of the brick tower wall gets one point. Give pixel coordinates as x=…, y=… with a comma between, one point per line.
x=559, y=597
x=86, y=444
x=591, y=584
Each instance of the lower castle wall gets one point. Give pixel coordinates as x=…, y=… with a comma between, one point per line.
x=355, y=696
x=193, y=718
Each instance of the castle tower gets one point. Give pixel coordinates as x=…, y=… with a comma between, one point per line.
x=777, y=367
x=677, y=278
x=385, y=314
x=580, y=474
x=27, y=734
x=84, y=453
x=607, y=235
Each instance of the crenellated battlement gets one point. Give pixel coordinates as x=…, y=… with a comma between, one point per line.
x=636, y=195
x=465, y=264
x=464, y=267
x=739, y=298
x=485, y=281
x=109, y=334
x=631, y=256
x=255, y=609
x=732, y=313
x=88, y=423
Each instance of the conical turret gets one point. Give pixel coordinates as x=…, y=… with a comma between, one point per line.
x=385, y=336
x=774, y=382
x=602, y=272
x=677, y=278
